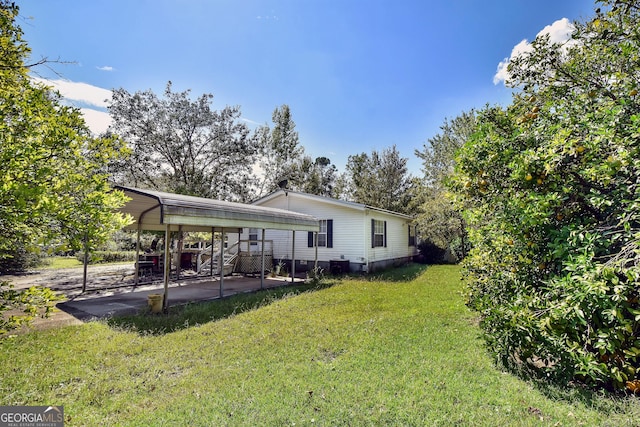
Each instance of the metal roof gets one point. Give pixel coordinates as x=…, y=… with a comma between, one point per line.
x=155, y=209
x=331, y=200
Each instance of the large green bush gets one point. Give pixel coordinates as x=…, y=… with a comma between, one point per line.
x=551, y=189
x=104, y=257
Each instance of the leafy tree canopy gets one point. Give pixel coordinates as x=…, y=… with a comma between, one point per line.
x=438, y=154
x=379, y=179
x=283, y=160
x=551, y=187
x=182, y=145
x=53, y=185
x=438, y=221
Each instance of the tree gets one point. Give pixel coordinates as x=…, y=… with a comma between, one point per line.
x=281, y=151
x=380, y=179
x=438, y=221
x=182, y=146
x=315, y=176
x=52, y=171
x=438, y=157
x=551, y=186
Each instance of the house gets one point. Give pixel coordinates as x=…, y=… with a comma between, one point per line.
x=352, y=237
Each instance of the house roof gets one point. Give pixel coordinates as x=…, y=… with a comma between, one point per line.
x=155, y=209
x=330, y=200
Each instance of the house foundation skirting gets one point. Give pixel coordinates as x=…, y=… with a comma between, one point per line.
x=339, y=266
x=388, y=263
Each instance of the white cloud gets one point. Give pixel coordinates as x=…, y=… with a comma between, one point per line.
x=82, y=92
x=97, y=121
x=559, y=32
x=106, y=68
x=93, y=101
x=252, y=122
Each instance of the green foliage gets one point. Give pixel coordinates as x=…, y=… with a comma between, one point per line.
x=358, y=353
x=283, y=161
x=125, y=240
x=431, y=253
x=20, y=259
x=104, y=257
x=438, y=154
x=53, y=186
x=18, y=308
x=315, y=176
x=281, y=150
x=379, y=179
x=315, y=276
x=551, y=191
x=182, y=145
x=438, y=221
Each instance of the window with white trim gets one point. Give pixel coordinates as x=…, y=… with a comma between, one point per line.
x=378, y=233
x=322, y=234
x=253, y=236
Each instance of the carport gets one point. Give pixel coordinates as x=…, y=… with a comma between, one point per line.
x=159, y=211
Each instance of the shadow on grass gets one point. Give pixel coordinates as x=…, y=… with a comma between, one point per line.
x=192, y=314
x=601, y=400
x=406, y=273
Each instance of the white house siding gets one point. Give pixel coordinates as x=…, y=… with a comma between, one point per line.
x=351, y=234
x=397, y=250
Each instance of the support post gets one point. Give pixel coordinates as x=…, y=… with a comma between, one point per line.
x=136, y=274
x=293, y=257
x=262, y=262
x=221, y=265
x=315, y=243
x=167, y=265
x=85, y=261
x=179, y=263
x=213, y=243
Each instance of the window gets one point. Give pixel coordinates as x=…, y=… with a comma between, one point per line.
x=412, y=235
x=325, y=235
x=253, y=236
x=322, y=234
x=378, y=233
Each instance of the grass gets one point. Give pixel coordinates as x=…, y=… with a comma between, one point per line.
x=360, y=352
x=58, y=262
x=195, y=314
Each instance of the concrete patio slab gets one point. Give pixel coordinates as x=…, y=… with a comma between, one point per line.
x=131, y=300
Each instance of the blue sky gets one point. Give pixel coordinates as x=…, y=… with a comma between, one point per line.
x=358, y=75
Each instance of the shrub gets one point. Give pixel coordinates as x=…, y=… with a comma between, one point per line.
x=19, y=308
x=19, y=260
x=551, y=192
x=104, y=257
x=430, y=253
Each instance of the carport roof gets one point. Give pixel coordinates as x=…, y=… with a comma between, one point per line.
x=155, y=209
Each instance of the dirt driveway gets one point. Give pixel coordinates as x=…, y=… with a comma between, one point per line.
x=68, y=281
x=110, y=291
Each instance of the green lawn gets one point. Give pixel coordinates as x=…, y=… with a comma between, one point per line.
x=58, y=262
x=398, y=350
